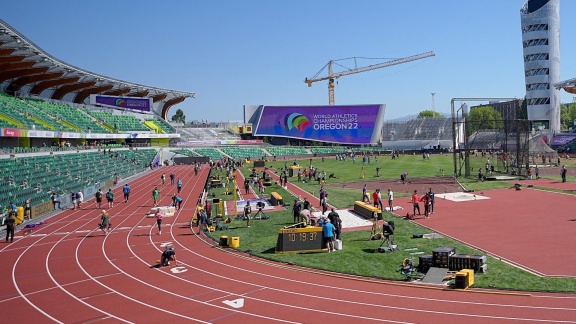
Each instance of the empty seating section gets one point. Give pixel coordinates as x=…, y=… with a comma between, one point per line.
x=206, y=134
x=212, y=153
x=73, y=116
x=254, y=153
x=6, y=124
x=10, y=107
x=124, y=123
x=286, y=151
x=328, y=150
x=36, y=176
x=488, y=139
x=370, y=149
x=163, y=125
x=418, y=129
x=186, y=152
x=44, y=117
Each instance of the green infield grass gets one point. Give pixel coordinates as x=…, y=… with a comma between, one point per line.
x=359, y=256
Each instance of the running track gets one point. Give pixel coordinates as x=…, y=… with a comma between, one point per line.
x=68, y=271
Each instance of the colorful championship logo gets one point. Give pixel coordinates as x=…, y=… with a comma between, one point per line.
x=296, y=120
x=120, y=102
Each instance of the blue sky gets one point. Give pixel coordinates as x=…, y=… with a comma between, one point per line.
x=232, y=53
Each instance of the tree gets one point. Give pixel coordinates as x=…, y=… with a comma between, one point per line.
x=484, y=118
x=179, y=117
x=567, y=116
x=429, y=113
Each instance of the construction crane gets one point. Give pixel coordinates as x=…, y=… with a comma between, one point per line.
x=333, y=76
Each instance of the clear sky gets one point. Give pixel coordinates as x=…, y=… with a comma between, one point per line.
x=237, y=52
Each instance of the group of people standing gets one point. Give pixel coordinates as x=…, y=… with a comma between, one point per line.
x=428, y=200
x=377, y=198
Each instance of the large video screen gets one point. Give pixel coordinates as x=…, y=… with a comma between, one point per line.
x=134, y=103
x=358, y=124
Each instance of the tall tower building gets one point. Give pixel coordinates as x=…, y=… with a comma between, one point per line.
x=540, y=21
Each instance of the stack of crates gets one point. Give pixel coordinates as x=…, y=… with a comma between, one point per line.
x=468, y=261
x=441, y=256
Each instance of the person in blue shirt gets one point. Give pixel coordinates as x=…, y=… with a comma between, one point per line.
x=177, y=202
x=126, y=191
x=328, y=234
x=179, y=185
x=14, y=208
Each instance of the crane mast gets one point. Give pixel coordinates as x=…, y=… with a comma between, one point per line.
x=333, y=76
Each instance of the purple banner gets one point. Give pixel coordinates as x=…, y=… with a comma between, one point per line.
x=142, y=104
x=561, y=140
x=335, y=124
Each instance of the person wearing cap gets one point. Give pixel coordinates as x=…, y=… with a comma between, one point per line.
x=104, y=222
x=168, y=255
x=328, y=234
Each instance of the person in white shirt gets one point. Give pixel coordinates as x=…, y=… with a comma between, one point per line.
x=79, y=199
x=390, y=200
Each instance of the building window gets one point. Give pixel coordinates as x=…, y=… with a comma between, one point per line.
x=535, y=42
x=538, y=101
x=541, y=71
x=537, y=86
x=537, y=27
x=536, y=57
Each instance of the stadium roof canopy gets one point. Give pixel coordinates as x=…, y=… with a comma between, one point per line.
x=25, y=68
x=568, y=85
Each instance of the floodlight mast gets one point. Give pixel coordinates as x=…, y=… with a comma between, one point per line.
x=333, y=76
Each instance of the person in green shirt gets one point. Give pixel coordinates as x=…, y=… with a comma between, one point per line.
x=155, y=194
x=110, y=198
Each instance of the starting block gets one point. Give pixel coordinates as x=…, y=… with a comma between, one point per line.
x=167, y=211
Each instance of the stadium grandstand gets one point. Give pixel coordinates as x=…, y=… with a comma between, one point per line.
x=417, y=133
x=66, y=129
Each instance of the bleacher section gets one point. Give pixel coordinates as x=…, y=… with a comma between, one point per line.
x=254, y=153
x=186, y=152
x=73, y=116
x=163, y=125
x=206, y=134
x=11, y=113
x=286, y=151
x=418, y=129
x=35, y=176
x=487, y=139
x=123, y=123
x=328, y=150
x=212, y=153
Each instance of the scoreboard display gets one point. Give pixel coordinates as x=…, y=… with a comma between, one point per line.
x=292, y=240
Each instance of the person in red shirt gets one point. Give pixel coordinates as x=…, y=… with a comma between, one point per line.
x=415, y=200
x=375, y=198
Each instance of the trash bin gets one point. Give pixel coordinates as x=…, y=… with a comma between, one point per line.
x=234, y=242
x=224, y=241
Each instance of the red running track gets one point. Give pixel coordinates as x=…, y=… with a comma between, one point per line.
x=67, y=271
x=530, y=228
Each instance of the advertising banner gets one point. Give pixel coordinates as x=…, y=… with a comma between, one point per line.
x=134, y=103
x=13, y=132
x=358, y=124
x=40, y=133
